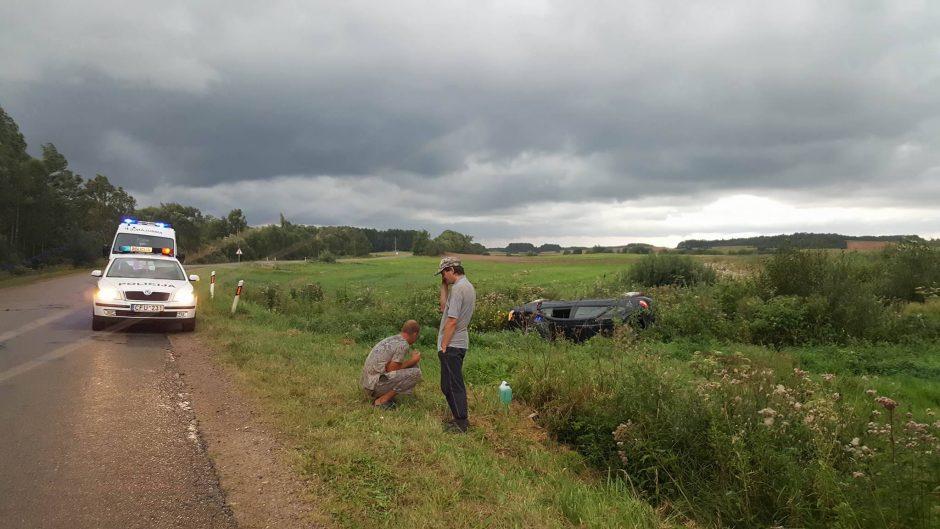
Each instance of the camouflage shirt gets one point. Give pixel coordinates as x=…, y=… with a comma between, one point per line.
x=392, y=348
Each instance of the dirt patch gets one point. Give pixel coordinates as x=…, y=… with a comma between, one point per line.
x=254, y=468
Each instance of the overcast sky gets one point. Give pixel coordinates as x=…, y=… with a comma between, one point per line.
x=592, y=122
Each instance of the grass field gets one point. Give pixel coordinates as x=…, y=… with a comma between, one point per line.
x=399, y=469
x=302, y=355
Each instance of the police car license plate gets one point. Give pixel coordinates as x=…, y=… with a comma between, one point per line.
x=148, y=308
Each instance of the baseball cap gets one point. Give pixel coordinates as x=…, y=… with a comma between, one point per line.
x=447, y=262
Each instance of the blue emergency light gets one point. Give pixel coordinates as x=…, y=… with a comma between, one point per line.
x=131, y=220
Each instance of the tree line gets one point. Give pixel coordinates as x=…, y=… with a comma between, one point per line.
x=810, y=241
x=50, y=215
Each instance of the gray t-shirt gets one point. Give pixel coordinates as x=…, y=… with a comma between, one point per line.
x=461, y=301
x=392, y=348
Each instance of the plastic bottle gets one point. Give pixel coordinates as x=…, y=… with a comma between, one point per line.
x=505, y=393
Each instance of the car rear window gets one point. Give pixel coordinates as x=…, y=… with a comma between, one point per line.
x=558, y=312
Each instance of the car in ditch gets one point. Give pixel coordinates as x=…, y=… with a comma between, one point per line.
x=582, y=319
x=144, y=287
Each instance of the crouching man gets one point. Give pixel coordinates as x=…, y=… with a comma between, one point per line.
x=387, y=373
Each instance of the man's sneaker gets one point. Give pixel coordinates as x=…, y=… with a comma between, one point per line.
x=389, y=405
x=456, y=427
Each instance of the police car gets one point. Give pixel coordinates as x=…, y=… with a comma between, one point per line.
x=140, y=236
x=143, y=285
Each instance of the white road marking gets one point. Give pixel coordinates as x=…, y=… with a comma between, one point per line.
x=9, y=335
x=51, y=355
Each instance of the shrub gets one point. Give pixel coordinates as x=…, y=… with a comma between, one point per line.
x=309, y=293
x=793, y=272
x=490, y=311
x=909, y=269
x=732, y=295
x=81, y=247
x=661, y=270
x=271, y=297
x=689, y=313
x=740, y=444
x=326, y=256
x=788, y=320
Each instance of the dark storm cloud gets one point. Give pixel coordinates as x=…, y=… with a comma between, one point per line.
x=329, y=111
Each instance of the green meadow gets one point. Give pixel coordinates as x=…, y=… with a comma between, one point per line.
x=675, y=426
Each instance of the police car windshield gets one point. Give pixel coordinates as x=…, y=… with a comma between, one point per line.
x=141, y=240
x=139, y=268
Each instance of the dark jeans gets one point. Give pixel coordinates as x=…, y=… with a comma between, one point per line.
x=452, y=385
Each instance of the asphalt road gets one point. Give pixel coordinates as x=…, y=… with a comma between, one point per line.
x=96, y=428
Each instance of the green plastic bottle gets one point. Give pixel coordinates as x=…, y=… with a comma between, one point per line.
x=505, y=393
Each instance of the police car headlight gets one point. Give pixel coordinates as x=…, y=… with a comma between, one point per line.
x=108, y=294
x=184, y=297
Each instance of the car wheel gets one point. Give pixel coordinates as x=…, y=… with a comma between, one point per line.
x=189, y=325
x=98, y=323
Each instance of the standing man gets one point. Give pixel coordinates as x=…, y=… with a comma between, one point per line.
x=386, y=372
x=458, y=298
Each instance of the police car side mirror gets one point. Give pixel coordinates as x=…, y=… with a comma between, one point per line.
x=96, y=273
x=193, y=277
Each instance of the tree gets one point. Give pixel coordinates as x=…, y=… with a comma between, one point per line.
x=40, y=201
x=188, y=222
x=104, y=205
x=423, y=245
x=452, y=241
x=236, y=222
x=549, y=248
x=520, y=247
x=389, y=240
x=13, y=181
x=638, y=248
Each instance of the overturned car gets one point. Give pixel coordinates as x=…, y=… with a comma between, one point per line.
x=584, y=318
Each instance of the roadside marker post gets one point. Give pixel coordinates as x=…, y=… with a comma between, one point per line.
x=212, y=285
x=238, y=293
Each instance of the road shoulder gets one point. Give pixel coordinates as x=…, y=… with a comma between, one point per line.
x=253, y=465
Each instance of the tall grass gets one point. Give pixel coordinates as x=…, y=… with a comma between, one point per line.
x=735, y=443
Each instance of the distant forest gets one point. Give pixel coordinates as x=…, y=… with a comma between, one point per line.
x=797, y=240
x=50, y=215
